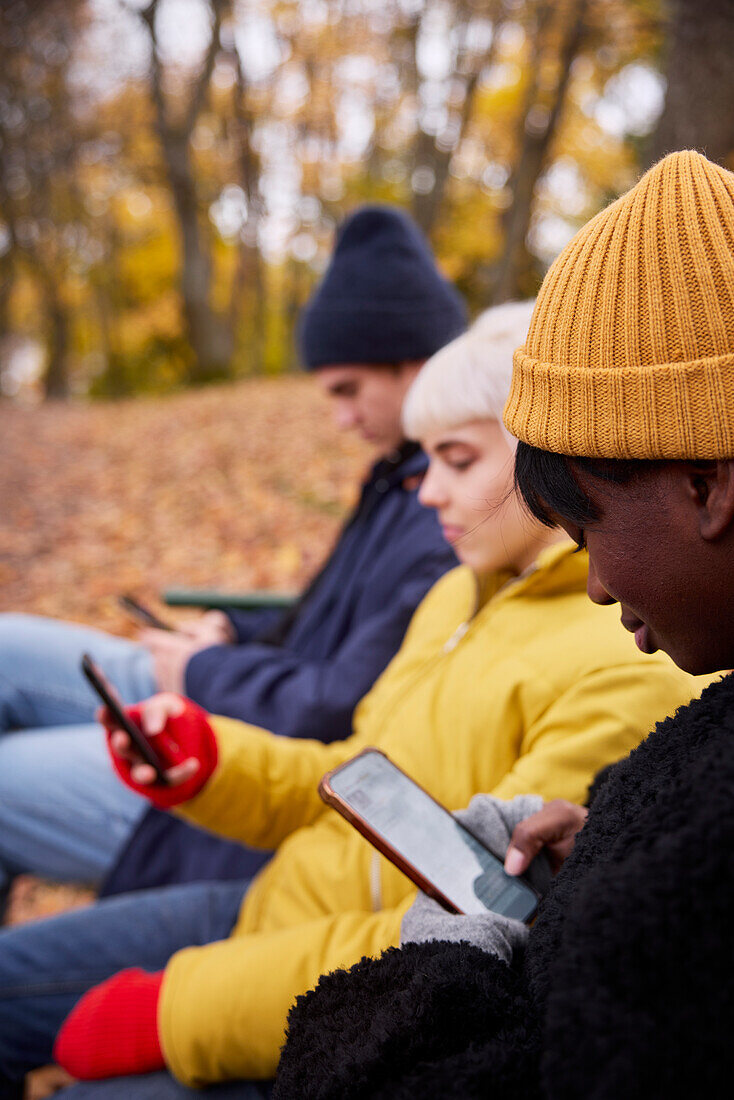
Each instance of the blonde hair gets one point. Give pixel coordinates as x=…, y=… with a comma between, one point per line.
x=469, y=379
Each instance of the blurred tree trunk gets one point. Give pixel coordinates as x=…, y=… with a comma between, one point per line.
x=699, y=103
x=38, y=162
x=7, y=266
x=50, y=271
x=48, y=278
x=249, y=272
x=105, y=284
x=209, y=335
x=296, y=293
x=429, y=153
x=57, y=373
x=6, y=289
x=58, y=325
x=560, y=30
x=7, y=269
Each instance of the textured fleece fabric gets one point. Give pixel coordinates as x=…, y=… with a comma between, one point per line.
x=534, y=695
x=625, y=988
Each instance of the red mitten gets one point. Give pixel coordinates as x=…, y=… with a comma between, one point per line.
x=185, y=735
x=113, y=1030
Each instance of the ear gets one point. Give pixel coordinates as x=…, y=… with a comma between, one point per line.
x=711, y=486
x=409, y=368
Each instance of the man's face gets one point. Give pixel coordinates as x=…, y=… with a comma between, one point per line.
x=369, y=399
x=647, y=553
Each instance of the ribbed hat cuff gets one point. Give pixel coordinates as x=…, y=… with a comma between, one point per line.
x=665, y=411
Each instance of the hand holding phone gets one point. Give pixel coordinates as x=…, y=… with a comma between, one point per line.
x=424, y=840
x=552, y=830
x=183, y=755
x=142, y=614
x=123, y=721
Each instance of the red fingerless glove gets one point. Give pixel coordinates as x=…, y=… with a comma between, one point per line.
x=113, y=1030
x=185, y=735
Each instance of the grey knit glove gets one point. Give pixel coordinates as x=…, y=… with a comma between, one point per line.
x=492, y=821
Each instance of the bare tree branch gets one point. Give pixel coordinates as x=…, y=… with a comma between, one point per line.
x=539, y=122
x=210, y=338
x=427, y=206
x=201, y=86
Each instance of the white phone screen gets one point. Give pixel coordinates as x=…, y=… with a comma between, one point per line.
x=430, y=838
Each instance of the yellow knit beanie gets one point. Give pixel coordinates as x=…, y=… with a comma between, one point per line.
x=630, y=352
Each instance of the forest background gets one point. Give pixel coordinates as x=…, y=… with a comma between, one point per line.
x=171, y=171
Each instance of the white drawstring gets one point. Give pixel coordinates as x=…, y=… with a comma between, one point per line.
x=456, y=637
x=375, y=883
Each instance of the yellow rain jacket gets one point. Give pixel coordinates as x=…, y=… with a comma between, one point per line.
x=523, y=686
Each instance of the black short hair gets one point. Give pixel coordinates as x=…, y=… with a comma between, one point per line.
x=546, y=482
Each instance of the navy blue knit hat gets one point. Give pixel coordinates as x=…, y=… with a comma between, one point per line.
x=382, y=299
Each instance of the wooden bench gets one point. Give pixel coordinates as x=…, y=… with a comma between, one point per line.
x=211, y=599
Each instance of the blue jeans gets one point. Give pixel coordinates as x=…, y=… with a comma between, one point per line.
x=63, y=812
x=46, y=966
x=161, y=1086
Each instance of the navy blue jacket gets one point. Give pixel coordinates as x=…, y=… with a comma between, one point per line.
x=346, y=628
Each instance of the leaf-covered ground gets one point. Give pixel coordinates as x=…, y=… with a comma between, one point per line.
x=235, y=487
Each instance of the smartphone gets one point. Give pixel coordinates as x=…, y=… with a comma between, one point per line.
x=142, y=613
x=111, y=700
x=424, y=840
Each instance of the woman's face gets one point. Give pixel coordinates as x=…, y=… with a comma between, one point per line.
x=469, y=482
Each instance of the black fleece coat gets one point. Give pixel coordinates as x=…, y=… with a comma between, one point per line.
x=626, y=987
